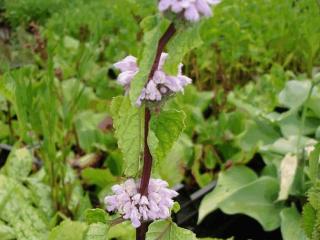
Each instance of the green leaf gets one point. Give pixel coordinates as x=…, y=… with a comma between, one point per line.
x=97, y=176
x=68, y=230
x=258, y=132
x=166, y=128
x=127, y=121
x=291, y=225
x=176, y=207
x=123, y=231
x=96, y=216
x=295, y=93
x=290, y=125
x=88, y=132
x=97, y=231
x=18, y=211
x=314, y=196
x=288, y=168
x=151, y=39
x=19, y=163
x=229, y=182
x=7, y=87
x=309, y=219
x=6, y=232
x=172, y=168
x=240, y=191
x=314, y=164
x=202, y=178
x=41, y=196
x=149, y=22
x=168, y=230
x=184, y=41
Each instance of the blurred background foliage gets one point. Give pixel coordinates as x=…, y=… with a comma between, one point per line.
x=254, y=99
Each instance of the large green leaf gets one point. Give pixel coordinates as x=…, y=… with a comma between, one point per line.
x=151, y=39
x=97, y=176
x=18, y=211
x=290, y=125
x=184, y=41
x=68, y=230
x=258, y=132
x=240, y=191
x=96, y=216
x=229, y=182
x=168, y=230
x=295, y=93
x=166, y=127
x=88, y=132
x=127, y=121
x=173, y=166
x=97, y=231
x=6, y=232
x=291, y=225
x=19, y=163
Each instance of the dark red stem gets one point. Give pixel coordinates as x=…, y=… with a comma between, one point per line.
x=147, y=157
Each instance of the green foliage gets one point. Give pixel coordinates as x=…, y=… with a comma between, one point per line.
x=19, y=164
x=184, y=41
x=25, y=210
x=310, y=213
x=24, y=11
x=72, y=230
x=314, y=164
x=291, y=225
x=166, y=129
x=150, y=40
x=239, y=190
x=97, y=231
x=95, y=216
x=309, y=219
x=294, y=94
x=55, y=108
x=167, y=230
x=68, y=230
x=128, y=124
x=99, y=177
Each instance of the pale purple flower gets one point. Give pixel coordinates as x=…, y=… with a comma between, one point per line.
x=192, y=9
x=131, y=205
x=159, y=86
x=128, y=68
x=162, y=84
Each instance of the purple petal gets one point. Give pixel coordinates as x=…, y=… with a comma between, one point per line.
x=164, y=5
x=163, y=58
x=191, y=13
x=203, y=7
x=213, y=2
x=176, y=6
x=129, y=63
x=125, y=78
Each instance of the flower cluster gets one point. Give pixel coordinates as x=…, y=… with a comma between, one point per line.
x=191, y=9
x=132, y=205
x=128, y=68
x=159, y=86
